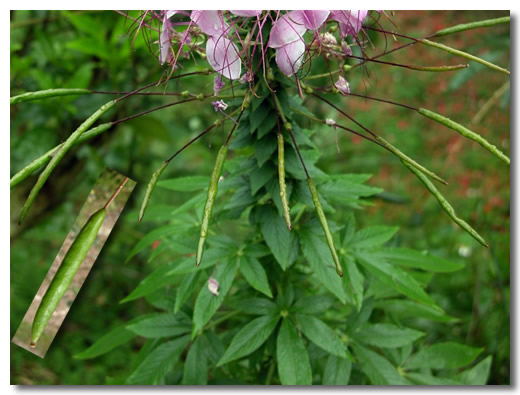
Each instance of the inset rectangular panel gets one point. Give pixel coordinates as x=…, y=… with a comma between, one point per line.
x=111, y=192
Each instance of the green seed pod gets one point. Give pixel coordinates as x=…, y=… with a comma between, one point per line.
x=45, y=94
x=281, y=180
x=446, y=205
x=150, y=188
x=60, y=153
x=66, y=272
x=465, y=132
x=325, y=226
x=210, y=200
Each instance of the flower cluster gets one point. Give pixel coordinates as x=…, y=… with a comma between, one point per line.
x=286, y=37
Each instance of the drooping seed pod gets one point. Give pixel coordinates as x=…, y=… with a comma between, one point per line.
x=281, y=180
x=149, y=189
x=210, y=200
x=465, y=132
x=66, y=272
x=325, y=226
x=446, y=205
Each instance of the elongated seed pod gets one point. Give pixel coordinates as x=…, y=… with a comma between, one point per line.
x=325, y=226
x=466, y=133
x=66, y=272
x=210, y=200
x=149, y=189
x=446, y=205
x=281, y=180
x=45, y=94
x=60, y=153
x=464, y=55
x=472, y=25
x=45, y=158
x=409, y=160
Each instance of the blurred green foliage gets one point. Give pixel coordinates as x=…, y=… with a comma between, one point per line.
x=99, y=50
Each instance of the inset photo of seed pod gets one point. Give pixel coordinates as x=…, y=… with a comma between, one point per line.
x=74, y=261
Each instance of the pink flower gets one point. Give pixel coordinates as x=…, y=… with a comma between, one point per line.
x=342, y=86
x=223, y=56
x=165, y=37
x=350, y=21
x=314, y=19
x=219, y=105
x=246, y=13
x=287, y=29
x=218, y=84
x=210, y=22
x=289, y=57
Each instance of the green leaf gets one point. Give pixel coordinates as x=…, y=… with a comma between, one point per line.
x=447, y=355
x=155, y=280
x=260, y=176
x=293, y=363
x=264, y=148
x=114, y=338
x=478, y=374
x=257, y=306
x=428, y=379
x=408, y=308
x=157, y=364
x=313, y=304
x=317, y=253
x=255, y=274
x=386, y=335
x=185, y=289
x=196, y=364
x=417, y=259
x=395, y=277
x=336, y=371
x=257, y=117
x=207, y=304
x=377, y=368
x=373, y=236
x=282, y=242
x=162, y=325
x=249, y=338
x=353, y=280
x=185, y=184
x=322, y=335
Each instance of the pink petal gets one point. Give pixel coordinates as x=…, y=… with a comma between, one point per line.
x=210, y=22
x=287, y=29
x=246, y=13
x=164, y=39
x=213, y=286
x=350, y=21
x=170, y=13
x=222, y=55
x=314, y=19
x=289, y=58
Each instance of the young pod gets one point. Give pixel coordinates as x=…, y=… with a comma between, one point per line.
x=150, y=188
x=210, y=200
x=66, y=272
x=281, y=180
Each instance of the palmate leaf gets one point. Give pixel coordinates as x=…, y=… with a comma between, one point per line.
x=157, y=364
x=207, y=303
x=293, y=363
x=249, y=338
x=478, y=374
x=162, y=325
x=398, y=279
x=196, y=364
x=417, y=259
x=377, y=368
x=317, y=254
x=372, y=237
x=336, y=371
x=185, y=184
x=408, y=308
x=386, y=335
x=322, y=335
x=447, y=355
x=255, y=274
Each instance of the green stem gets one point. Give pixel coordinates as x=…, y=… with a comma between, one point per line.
x=465, y=55
x=38, y=95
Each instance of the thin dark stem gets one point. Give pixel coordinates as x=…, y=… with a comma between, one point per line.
x=152, y=110
x=234, y=127
x=114, y=195
x=384, y=101
x=191, y=142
